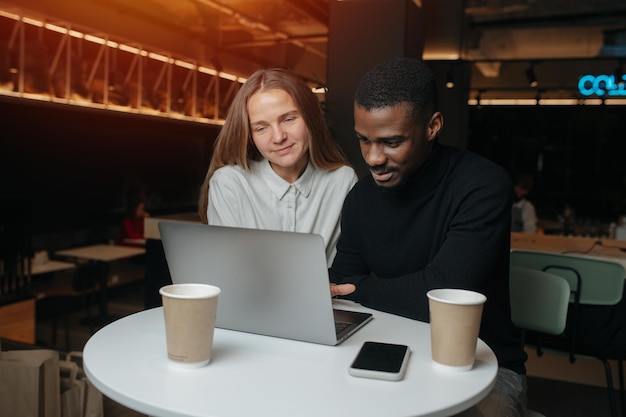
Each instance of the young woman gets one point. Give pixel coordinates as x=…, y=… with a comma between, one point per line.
x=275, y=165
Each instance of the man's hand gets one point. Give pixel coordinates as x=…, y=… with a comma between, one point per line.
x=341, y=289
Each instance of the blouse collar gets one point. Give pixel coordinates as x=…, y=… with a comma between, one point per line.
x=280, y=187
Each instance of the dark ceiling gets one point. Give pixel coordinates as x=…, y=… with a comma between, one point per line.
x=263, y=30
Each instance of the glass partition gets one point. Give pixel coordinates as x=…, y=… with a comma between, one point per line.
x=59, y=62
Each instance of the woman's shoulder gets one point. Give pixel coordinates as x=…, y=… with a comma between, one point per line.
x=344, y=171
x=228, y=174
x=341, y=175
x=228, y=169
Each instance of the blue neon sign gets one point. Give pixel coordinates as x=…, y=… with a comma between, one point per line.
x=602, y=85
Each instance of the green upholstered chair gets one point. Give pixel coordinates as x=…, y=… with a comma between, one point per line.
x=539, y=302
x=592, y=281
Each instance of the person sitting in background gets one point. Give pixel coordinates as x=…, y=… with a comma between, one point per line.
x=133, y=224
x=275, y=165
x=523, y=215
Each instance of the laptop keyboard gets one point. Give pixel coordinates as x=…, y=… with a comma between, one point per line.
x=340, y=326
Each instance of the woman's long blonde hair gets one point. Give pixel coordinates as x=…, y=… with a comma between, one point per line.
x=234, y=145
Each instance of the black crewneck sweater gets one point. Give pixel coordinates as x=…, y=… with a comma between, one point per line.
x=448, y=226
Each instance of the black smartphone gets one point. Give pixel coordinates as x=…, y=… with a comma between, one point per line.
x=381, y=361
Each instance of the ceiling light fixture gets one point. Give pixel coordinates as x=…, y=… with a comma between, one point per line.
x=450, y=79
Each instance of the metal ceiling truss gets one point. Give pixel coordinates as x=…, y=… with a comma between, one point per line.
x=53, y=61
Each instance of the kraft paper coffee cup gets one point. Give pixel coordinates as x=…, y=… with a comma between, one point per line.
x=455, y=317
x=189, y=311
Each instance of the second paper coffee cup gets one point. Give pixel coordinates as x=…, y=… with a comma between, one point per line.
x=455, y=317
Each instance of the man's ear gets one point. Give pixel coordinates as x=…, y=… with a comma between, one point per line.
x=435, y=124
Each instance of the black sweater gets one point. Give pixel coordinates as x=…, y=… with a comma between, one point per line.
x=447, y=227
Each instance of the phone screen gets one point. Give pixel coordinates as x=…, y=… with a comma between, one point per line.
x=382, y=357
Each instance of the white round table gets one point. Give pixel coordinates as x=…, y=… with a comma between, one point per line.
x=253, y=375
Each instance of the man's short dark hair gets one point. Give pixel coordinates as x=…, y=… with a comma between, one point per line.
x=399, y=80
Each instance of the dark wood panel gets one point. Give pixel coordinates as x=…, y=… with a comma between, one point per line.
x=76, y=164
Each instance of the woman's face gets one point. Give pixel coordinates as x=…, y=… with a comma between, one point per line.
x=279, y=132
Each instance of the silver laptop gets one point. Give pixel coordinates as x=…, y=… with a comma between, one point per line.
x=273, y=283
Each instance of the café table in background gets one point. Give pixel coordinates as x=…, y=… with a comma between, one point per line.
x=50, y=266
x=103, y=254
x=255, y=375
x=590, y=247
x=575, y=245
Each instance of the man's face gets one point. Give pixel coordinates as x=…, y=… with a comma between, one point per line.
x=393, y=144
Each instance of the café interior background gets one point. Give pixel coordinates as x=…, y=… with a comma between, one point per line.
x=100, y=96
